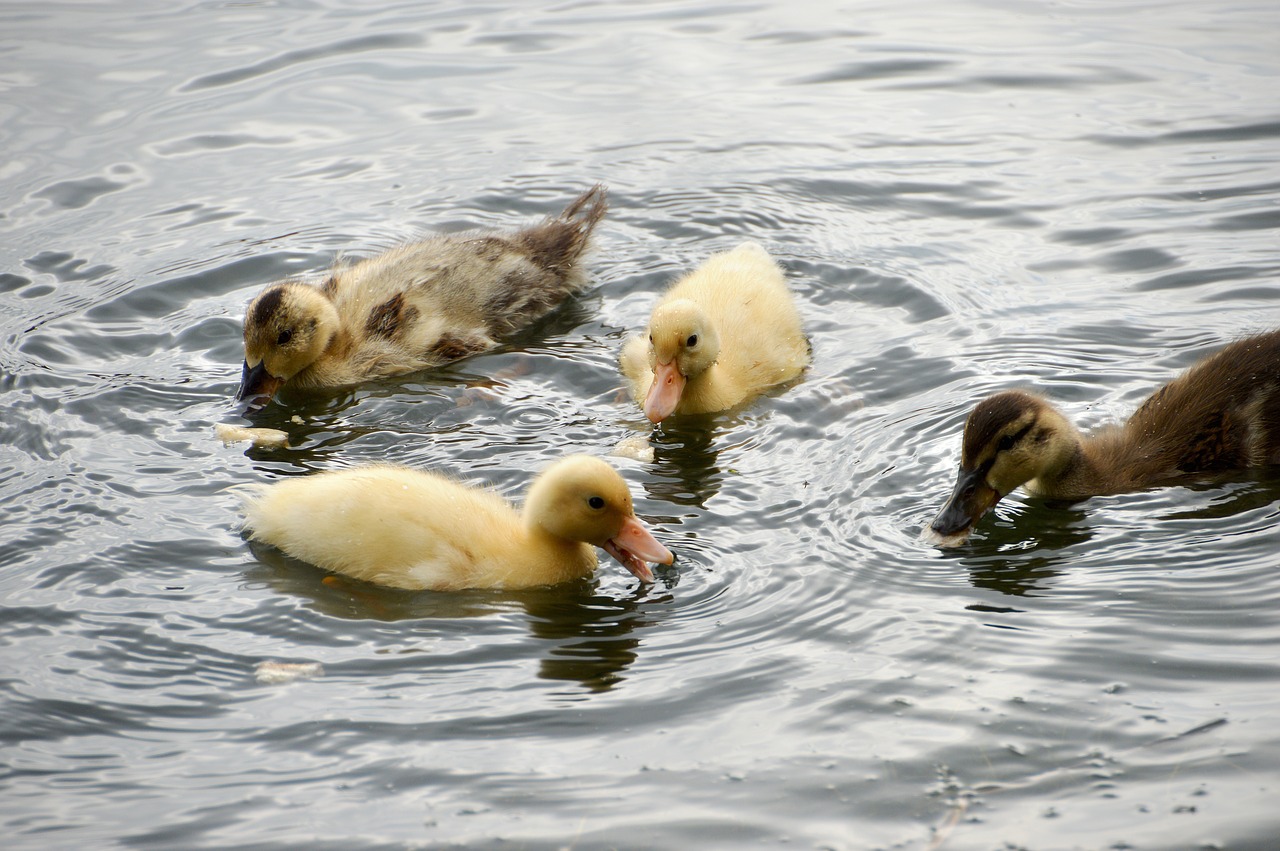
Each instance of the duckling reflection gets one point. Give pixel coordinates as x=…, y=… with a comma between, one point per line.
x=1223, y=414
x=414, y=307
x=685, y=469
x=591, y=638
x=1000, y=561
x=578, y=634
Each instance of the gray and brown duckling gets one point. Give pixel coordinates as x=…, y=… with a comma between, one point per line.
x=414, y=307
x=1223, y=414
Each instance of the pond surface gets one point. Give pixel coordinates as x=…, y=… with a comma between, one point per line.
x=1078, y=197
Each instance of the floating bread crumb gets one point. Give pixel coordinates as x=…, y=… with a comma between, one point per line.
x=276, y=673
x=269, y=438
x=635, y=447
x=946, y=541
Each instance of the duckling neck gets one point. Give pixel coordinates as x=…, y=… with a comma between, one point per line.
x=1082, y=472
x=558, y=559
x=340, y=343
x=706, y=390
x=334, y=365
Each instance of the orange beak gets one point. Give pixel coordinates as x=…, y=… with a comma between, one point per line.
x=664, y=392
x=633, y=546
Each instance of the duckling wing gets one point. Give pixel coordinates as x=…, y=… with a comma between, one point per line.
x=450, y=296
x=762, y=340
x=634, y=362
x=1222, y=414
x=392, y=526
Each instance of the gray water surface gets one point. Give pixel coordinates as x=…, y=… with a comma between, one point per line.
x=1077, y=197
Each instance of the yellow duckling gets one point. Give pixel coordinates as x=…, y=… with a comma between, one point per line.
x=1222, y=414
x=719, y=337
x=416, y=306
x=412, y=529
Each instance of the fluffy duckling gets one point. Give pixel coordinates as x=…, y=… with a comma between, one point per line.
x=412, y=529
x=719, y=337
x=1222, y=414
x=416, y=306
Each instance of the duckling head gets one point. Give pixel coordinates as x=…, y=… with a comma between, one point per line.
x=1010, y=439
x=683, y=344
x=581, y=498
x=286, y=328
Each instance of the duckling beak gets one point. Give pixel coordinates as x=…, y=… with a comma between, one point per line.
x=633, y=546
x=256, y=381
x=971, y=499
x=664, y=392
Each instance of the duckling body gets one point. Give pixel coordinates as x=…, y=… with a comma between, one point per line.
x=413, y=529
x=414, y=307
x=1222, y=414
x=718, y=338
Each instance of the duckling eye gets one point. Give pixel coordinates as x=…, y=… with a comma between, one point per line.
x=1006, y=443
x=596, y=502
x=285, y=336
x=692, y=341
x=651, y=339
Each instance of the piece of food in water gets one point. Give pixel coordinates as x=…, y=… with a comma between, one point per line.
x=267, y=438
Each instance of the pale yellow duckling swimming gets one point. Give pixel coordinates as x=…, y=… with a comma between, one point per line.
x=416, y=306
x=412, y=529
x=1222, y=414
x=719, y=337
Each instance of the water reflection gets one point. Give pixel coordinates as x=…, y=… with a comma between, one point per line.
x=591, y=637
x=685, y=461
x=582, y=635
x=1218, y=500
x=1020, y=555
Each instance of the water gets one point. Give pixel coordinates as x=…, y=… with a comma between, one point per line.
x=1079, y=197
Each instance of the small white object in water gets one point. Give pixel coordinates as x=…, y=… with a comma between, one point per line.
x=945, y=541
x=269, y=438
x=636, y=447
x=277, y=673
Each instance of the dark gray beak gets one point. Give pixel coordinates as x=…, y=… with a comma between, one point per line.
x=257, y=381
x=971, y=498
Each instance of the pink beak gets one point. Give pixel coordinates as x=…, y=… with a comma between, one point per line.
x=664, y=392
x=633, y=546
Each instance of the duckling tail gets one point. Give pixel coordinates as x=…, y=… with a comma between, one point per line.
x=589, y=207
x=557, y=244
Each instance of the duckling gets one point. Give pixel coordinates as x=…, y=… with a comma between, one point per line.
x=417, y=306
x=1222, y=414
x=407, y=528
x=719, y=337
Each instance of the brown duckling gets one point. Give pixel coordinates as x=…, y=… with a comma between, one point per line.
x=414, y=307
x=1222, y=414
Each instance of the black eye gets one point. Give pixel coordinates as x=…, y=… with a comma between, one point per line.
x=651, y=339
x=285, y=336
x=596, y=502
x=1006, y=443
x=692, y=341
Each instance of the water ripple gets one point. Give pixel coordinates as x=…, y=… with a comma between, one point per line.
x=964, y=198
